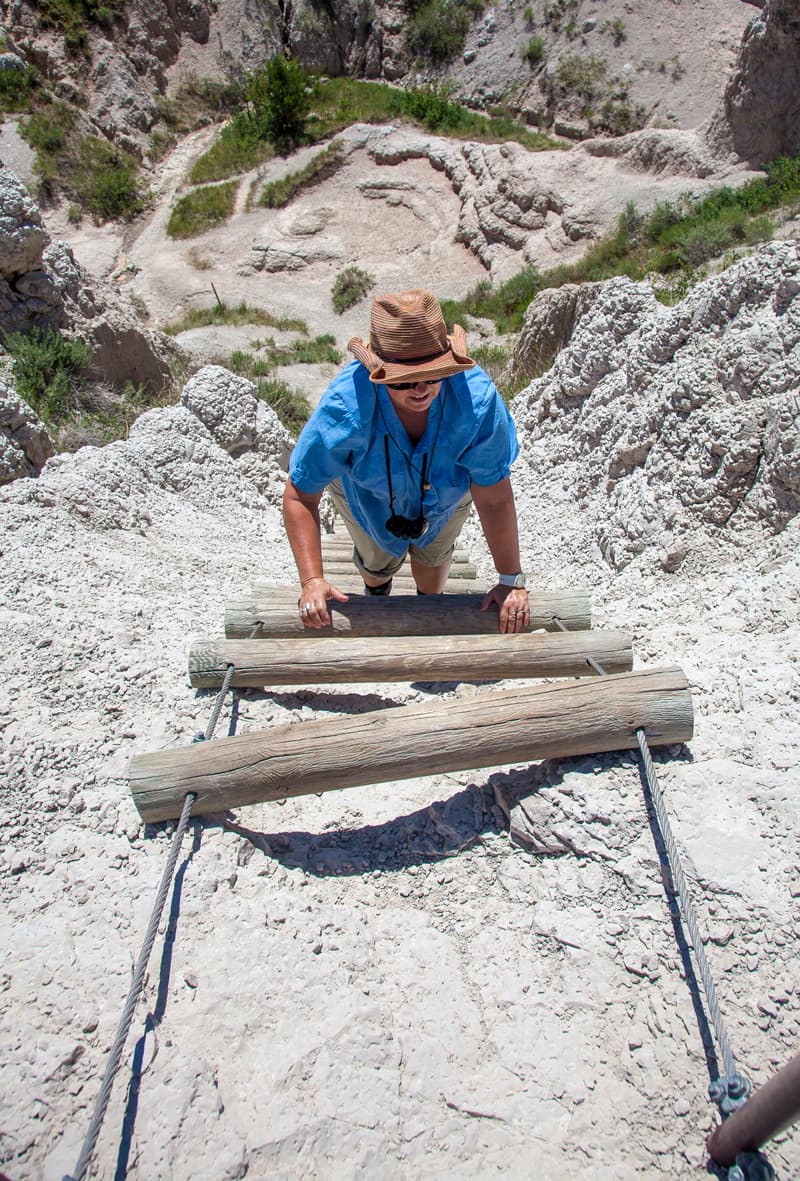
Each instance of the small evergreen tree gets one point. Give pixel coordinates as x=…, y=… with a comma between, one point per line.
x=279, y=103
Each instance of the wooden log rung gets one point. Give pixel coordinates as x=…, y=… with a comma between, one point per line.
x=341, y=550
x=491, y=729
x=337, y=567
x=275, y=607
x=402, y=584
x=314, y=661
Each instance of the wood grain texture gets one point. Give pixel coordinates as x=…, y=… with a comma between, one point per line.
x=399, y=615
x=338, y=567
x=341, y=549
x=492, y=729
x=402, y=584
x=314, y=661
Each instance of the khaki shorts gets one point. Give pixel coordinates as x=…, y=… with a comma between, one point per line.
x=370, y=559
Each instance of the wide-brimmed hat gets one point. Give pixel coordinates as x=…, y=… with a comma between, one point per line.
x=408, y=340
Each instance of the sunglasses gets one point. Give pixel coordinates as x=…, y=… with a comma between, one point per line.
x=412, y=385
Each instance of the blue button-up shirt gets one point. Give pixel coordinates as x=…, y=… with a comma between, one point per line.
x=469, y=438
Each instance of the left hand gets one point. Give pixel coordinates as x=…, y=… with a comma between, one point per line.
x=513, y=603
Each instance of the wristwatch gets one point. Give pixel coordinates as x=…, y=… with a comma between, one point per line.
x=516, y=580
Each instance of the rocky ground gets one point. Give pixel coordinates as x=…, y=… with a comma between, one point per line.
x=467, y=975
x=395, y=980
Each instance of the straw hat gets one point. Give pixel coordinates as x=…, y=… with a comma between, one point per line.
x=408, y=340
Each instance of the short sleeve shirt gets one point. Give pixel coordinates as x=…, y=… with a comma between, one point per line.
x=469, y=438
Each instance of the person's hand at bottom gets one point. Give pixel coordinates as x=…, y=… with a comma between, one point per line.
x=514, y=610
x=313, y=602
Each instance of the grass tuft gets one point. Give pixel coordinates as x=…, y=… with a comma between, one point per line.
x=200, y=209
x=95, y=174
x=48, y=371
x=672, y=240
x=349, y=288
x=279, y=192
x=437, y=29
x=236, y=150
x=290, y=405
x=223, y=313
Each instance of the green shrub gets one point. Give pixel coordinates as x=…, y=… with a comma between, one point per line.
x=105, y=180
x=618, y=118
x=249, y=366
x=533, y=52
x=438, y=30
x=202, y=208
x=47, y=368
x=349, y=288
x=692, y=242
x=15, y=88
x=320, y=351
x=783, y=180
x=98, y=176
x=278, y=103
x=491, y=357
x=47, y=130
x=616, y=28
x=432, y=106
x=578, y=75
x=558, y=11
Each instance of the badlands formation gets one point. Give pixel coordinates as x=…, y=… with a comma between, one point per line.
x=466, y=975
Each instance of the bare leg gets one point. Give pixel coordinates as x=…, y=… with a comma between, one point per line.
x=430, y=579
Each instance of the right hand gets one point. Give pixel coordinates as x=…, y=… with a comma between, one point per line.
x=312, y=604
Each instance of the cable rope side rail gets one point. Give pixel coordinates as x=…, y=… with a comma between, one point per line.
x=731, y=1089
x=123, y=1028
x=126, y=1017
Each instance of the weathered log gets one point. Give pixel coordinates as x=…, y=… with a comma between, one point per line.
x=402, y=584
x=523, y=724
x=315, y=661
x=341, y=549
x=404, y=615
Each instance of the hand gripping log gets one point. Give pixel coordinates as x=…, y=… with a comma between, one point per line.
x=520, y=724
x=275, y=607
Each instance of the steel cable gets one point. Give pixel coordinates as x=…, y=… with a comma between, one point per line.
x=687, y=906
x=679, y=882
x=123, y=1028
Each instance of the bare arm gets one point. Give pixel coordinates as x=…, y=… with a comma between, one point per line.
x=498, y=516
x=301, y=518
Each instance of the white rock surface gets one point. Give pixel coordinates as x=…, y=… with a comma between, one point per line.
x=663, y=422
x=383, y=981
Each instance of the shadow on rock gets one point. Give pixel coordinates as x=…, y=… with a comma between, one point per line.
x=441, y=830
